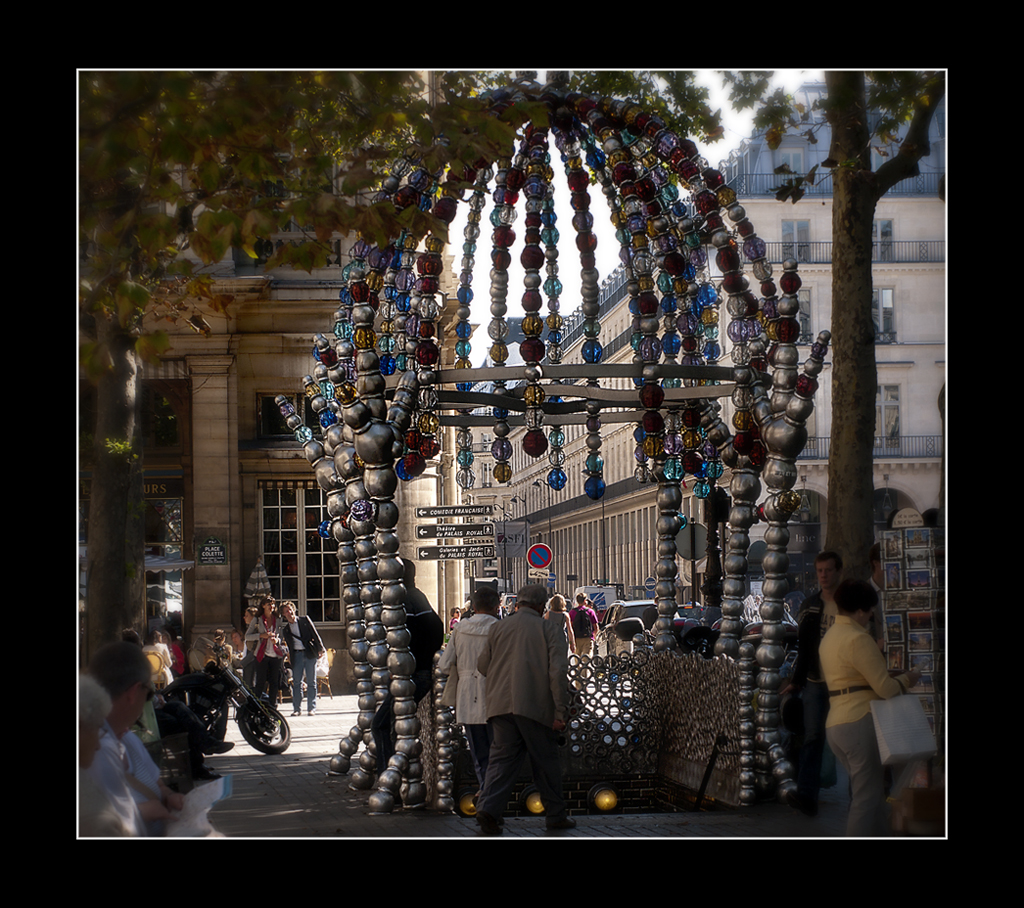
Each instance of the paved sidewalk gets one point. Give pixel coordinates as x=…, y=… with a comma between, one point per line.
x=292, y=795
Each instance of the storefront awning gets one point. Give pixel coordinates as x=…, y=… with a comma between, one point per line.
x=156, y=563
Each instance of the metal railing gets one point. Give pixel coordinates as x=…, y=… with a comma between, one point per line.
x=761, y=184
x=902, y=446
x=895, y=251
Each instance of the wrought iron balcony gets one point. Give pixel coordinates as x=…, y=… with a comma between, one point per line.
x=749, y=185
x=900, y=447
x=886, y=251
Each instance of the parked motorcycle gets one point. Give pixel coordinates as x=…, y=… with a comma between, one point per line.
x=211, y=692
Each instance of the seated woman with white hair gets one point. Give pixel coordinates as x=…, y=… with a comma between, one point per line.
x=95, y=815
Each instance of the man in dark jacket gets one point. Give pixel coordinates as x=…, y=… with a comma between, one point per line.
x=817, y=614
x=304, y=648
x=426, y=637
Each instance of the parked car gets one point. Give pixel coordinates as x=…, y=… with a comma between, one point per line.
x=623, y=621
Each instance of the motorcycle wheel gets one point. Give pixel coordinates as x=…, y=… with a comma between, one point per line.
x=269, y=734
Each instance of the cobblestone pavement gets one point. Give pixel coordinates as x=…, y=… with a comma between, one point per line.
x=292, y=795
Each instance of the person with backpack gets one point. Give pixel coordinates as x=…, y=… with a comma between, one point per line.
x=584, y=625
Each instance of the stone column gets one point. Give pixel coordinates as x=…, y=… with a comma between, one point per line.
x=216, y=488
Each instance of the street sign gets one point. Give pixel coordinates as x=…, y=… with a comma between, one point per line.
x=539, y=556
x=461, y=510
x=692, y=541
x=454, y=552
x=649, y=584
x=455, y=530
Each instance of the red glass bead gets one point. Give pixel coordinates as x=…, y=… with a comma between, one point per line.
x=728, y=258
x=790, y=282
x=624, y=171
x=535, y=443
x=578, y=180
x=652, y=422
x=788, y=330
x=532, y=349
x=735, y=282
x=532, y=258
x=427, y=353
x=532, y=300
x=446, y=208
x=742, y=442
x=414, y=463
x=504, y=236
x=514, y=179
x=429, y=263
x=652, y=396
x=806, y=386
x=674, y=263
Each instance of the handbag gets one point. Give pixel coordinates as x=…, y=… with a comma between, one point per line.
x=902, y=730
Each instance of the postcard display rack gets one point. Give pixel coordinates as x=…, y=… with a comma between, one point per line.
x=914, y=606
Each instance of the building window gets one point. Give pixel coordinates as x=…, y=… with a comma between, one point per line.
x=796, y=240
x=163, y=540
x=883, y=315
x=271, y=422
x=301, y=564
x=881, y=241
x=804, y=316
x=887, y=416
x=793, y=158
x=485, y=475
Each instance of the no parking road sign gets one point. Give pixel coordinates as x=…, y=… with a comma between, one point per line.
x=538, y=556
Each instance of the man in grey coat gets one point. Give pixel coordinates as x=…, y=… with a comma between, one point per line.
x=526, y=665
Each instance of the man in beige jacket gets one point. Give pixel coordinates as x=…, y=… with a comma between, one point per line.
x=526, y=665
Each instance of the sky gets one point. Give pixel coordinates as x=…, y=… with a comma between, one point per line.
x=737, y=128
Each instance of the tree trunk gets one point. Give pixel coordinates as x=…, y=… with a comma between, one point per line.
x=115, y=592
x=854, y=380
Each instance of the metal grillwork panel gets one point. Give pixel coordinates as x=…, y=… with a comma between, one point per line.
x=652, y=713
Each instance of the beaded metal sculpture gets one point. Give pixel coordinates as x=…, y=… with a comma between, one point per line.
x=669, y=209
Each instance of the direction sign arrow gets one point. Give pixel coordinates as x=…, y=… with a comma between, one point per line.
x=454, y=552
x=453, y=530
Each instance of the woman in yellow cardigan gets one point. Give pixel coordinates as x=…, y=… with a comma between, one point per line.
x=855, y=672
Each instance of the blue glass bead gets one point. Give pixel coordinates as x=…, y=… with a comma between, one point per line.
x=387, y=364
x=712, y=350
x=499, y=413
x=401, y=472
x=594, y=487
x=707, y=295
x=324, y=529
x=673, y=468
x=327, y=418
x=465, y=295
x=303, y=434
x=671, y=344
x=557, y=479
x=701, y=488
x=465, y=458
x=592, y=351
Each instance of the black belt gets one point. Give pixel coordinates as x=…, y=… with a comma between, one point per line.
x=849, y=690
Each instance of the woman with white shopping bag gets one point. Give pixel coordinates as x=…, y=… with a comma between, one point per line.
x=855, y=673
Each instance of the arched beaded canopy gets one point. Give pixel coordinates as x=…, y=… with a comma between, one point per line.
x=674, y=215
